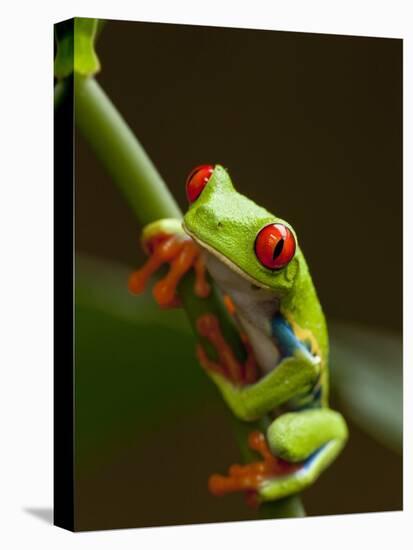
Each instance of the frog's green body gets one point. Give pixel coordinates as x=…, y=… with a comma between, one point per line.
x=225, y=224
x=280, y=313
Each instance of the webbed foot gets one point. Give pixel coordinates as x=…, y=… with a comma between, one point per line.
x=177, y=250
x=249, y=477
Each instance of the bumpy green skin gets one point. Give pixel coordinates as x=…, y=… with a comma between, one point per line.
x=228, y=223
x=277, y=387
x=291, y=436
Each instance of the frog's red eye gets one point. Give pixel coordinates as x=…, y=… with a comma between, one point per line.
x=275, y=246
x=197, y=180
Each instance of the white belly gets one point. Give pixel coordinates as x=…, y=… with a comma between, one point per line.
x=265, y=351
x=254, y=308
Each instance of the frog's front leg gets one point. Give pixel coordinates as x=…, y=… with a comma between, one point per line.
x=166, y=243
x=250, y=399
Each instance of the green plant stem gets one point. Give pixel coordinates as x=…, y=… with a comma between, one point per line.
x=127, y=162
x=121, y=154
x=130, y=167
x=289, y=507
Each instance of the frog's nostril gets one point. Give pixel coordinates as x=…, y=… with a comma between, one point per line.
x=206, y=217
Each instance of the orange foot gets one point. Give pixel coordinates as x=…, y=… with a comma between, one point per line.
x=227, y=364
x=181, y=253
x=249, y=477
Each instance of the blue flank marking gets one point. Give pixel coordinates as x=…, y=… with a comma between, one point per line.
x=287, y=341
x=309, y=461
x=317, y=394
x=289, y=345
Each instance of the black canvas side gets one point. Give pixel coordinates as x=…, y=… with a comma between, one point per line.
x=64, y=306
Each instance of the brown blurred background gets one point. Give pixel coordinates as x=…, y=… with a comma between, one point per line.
x=310, y=126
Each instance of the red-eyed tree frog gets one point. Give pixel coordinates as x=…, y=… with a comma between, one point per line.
x=254, y=258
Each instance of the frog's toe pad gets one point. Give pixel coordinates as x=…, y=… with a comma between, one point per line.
x=251, y=477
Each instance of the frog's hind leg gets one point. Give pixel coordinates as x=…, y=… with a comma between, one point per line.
x=312, y=438
x=249, y=477
x=298, y=447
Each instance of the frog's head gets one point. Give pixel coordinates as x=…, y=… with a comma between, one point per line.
x=248, y=239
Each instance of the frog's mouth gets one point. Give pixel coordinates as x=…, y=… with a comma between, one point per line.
x=224, y=260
